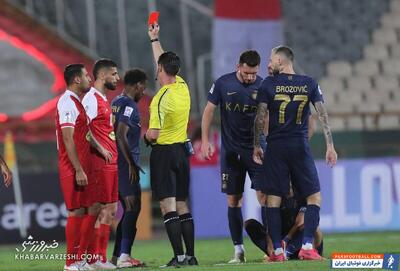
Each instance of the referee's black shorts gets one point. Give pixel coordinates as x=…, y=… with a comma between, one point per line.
x=169, y=171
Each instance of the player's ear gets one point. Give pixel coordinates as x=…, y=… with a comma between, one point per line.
x=101, y=74
x=77, y=80
x=237, y=66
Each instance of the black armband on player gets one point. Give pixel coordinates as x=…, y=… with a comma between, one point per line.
x=153, y=40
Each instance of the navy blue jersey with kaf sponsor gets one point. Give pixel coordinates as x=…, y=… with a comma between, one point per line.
x=288, y=97
x=238, y=106
x=125, y=110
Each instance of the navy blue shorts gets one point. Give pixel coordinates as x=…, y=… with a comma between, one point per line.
x=290, y=160
x=234, y=166
x=125, y=187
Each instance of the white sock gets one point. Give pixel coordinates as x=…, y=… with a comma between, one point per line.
x=181, y=258
x=278, y=251
x=124, y=256
x=239, y=249
x=307, y=246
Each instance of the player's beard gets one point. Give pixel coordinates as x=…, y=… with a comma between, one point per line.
x=86, y=89
x=110, y=86
x=244, y=81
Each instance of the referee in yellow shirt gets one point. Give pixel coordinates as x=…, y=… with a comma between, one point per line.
x=169, y=159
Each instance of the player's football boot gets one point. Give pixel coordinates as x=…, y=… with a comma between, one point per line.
x=192, y=260
x=78, y=266
x=309, y=254
x=276, y=258
x=175, y=263
x=238, y=258
x=99, y=265
x=71, y=267
x=129, y=262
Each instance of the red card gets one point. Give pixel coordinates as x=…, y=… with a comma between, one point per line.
x=153, y=17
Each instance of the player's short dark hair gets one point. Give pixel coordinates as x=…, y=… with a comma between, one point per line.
x=134, y=76
x=284, y=50
x=101, y=64
x=170, y=62
x=71, y=71
x=250, y=57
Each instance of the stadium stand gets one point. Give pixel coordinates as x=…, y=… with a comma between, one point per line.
x=360, y=86
x=350, y=46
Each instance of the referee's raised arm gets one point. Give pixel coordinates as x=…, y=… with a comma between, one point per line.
x=154, y=29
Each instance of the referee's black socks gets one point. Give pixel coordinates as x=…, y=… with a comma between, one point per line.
x=187, y=226
x=174, y=231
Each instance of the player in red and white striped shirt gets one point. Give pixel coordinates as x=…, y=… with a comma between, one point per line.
x=73, y=158
x=104, y=163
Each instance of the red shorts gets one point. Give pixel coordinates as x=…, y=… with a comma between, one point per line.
x=89, y=195
x=106, y=184
x=72, y=192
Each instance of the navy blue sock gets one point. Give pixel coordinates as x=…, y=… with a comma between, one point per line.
x=264, y=217
x=274, y=225
x=311, y=221
x=236, y=224
x=117, y=243
x=128, y=231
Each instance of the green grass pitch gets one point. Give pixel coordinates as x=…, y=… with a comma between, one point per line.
x=212, y=254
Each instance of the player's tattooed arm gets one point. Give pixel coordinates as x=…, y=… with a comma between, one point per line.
x=331, y=155
x=323, y=117
x=259, y=122
x=95, y=144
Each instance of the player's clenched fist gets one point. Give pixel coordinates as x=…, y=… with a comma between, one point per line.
x=258, y=155
x=207, y=150
x=331, y=157
x=81, y=178
x=7, y=175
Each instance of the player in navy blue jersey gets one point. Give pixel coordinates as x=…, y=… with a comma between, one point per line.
x=127, y=129
x=286, y=97
x=235, y=93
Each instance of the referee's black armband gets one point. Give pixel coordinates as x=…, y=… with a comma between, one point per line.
x=153, y=40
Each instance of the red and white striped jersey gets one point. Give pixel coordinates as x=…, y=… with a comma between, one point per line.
x=71, y=113
x=101, y=125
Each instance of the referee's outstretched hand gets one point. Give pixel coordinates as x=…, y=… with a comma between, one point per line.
x=258, y=155
x=153, y=31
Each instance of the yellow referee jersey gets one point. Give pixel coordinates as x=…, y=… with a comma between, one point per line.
x=169, y=112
